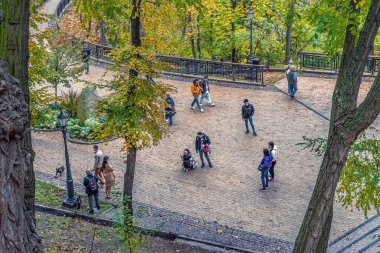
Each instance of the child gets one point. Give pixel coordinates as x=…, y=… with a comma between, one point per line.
x=188, y=161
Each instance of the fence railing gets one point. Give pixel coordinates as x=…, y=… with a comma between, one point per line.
x=226, y=70
x=322, y=61
x=62, y=5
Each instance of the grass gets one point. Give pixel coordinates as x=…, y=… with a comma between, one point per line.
x=63, y=234
x=51, y=195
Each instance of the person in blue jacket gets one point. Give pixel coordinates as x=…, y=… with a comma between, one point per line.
x=169, y=109
x=264, y=167
x=292, y=81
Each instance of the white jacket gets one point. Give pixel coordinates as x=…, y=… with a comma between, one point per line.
x=274, y=153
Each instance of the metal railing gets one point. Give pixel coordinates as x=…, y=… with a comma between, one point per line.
x=322, y=61
x=226, y=70
x=62, y=5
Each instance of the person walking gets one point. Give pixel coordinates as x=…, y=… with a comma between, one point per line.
x=204, y=83
x=292, y=81
x=264, y=167
x=109, y=176
x=247, y=112
x=92, y=190
x=202, y=146
x=169, y=109
x=98, y=157
x=273, y=151
x=288, y=67
x=86, y=59
x=196, y=90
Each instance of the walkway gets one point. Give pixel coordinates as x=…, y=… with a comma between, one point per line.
x=228, y=193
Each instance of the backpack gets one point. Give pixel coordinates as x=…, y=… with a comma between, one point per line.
x=92, y=184
x=247, y=111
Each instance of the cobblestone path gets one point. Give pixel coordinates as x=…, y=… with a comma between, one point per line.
x=228, y=193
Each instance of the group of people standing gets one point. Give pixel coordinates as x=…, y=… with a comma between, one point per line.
x=103, y=175
x=267, y=165
x=201, y=89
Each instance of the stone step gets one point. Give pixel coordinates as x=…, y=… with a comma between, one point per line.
x=361, y=239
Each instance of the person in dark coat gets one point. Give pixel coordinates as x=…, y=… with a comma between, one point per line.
x=200, y=142
x=92, y=189
x=265, y=165
x=247, y=112
x=204, y=83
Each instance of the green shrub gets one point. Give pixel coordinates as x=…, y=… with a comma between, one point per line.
x=46, y=118
x=84, y=131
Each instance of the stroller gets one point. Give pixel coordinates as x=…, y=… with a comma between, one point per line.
x=188, y=162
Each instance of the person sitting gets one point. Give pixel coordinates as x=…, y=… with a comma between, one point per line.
x=188, y=161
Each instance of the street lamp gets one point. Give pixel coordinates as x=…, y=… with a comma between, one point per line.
x=70, y=201
x=250, y=18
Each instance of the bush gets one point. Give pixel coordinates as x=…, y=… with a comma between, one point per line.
x=46, y=118
x=85, y=131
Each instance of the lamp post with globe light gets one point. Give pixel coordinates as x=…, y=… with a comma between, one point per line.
x=70, y=201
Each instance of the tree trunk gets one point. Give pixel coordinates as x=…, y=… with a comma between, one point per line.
x=133, y=73
x=19, y=216
x=192, y=40
x=289, y=25
x=129, y=177
x=102, y=34
x=233, y=46
x=348, y=120
x=199, y=39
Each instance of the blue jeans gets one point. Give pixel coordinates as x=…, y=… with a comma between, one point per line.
x=250, y=119
x=91, y=198
x=289, y=88
x=201, y=153
x=293, y=90
x=196, y=100
x=169, y=117
x=264, y=177
x=86, y=66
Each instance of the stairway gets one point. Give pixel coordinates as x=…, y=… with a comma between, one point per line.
x=364, y=238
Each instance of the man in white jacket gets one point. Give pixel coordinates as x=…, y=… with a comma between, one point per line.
x=273, y=150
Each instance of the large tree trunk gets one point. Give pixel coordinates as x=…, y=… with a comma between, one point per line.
x=14, y=38
x=348, y=120
x=133, y=73
x=289, y=25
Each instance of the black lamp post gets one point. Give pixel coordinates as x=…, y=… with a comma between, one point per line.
x=250, y=18
x=70, y=201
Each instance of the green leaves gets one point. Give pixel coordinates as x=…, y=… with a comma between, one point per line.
x=360, y=178
x=359, y=181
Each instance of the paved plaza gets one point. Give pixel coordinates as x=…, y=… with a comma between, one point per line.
x=228, y=193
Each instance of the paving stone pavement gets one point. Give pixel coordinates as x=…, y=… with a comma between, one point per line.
x=227, y=193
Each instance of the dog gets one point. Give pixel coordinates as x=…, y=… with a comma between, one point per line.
x=59, y=171
x=79, y=202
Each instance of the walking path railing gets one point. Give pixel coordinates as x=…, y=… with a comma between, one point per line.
x=181, y=65
x=321, y=61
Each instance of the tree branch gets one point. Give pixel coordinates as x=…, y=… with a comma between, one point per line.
x=366, y=113
x=353, y=63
